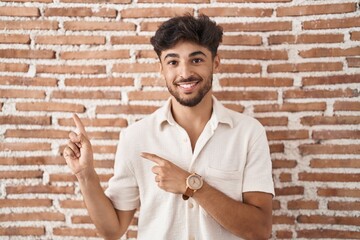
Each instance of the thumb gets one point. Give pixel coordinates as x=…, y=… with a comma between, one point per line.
x=79, y=139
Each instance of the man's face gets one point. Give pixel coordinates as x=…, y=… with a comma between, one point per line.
x=187, y=69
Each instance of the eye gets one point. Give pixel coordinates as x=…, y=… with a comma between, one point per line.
x=172, y=62
x=197, y=60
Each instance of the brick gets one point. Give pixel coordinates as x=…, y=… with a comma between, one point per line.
x=323, y=219
x=149, y=26
x=50, y=107
x=338, y=192
x=106, y=149
x=291, y=107
x=32, y=216
x=99, y=82
x=34, y=133
x=104, y=163
x=283, y=220
x=255, y=1
x=285, y=177
x=41, y=1
x=336, y=120
x=73, y=69
x=19, y=11
x=14, y=93
x=256, y=82
x=84, y=232
x=135, y=67
x=98, y=26
x=330, y=52
x=104, y=135
x=284, y=234
x=305, y=67
x=174, y=1
x=344, y=206
x=345, y=93
x=28, y=54
x=355, y=36
x=22, y=231
x=20, y=175
x=23, y=81
x=277, y=148
x=70, y=40
x=29, y=25
x=273, y=121
x=99, y=122
x=335, y=163
x=288, y=135
x=280, y=163
x=307, y=149
x=28, y=120
x=240, y=68
x=15, y=38
x=305, y=39
x=246, y=95
x=126, y=109
x=336, y=134
x=81, y=220
x=150, y=95
x=115, y=40
x=289, y=191
x=346, y=106
x=328, y=234
x=86, y=95
x=72, y=204
x=332, y=23
x=330, y=80
x=27, y=203
x=242, y=40
x=236, y=12
x=152, y=82
x=353, y=62
x=315, y=9
x=40, y=160
x=155, y=12
x=71, y=178
x=302, y=204
x=254, y=54
x=257, y=27
x=36, y=189
x=328, y=177
x=14, y=67
x=4, y=146
x=95, y=1
x=146, y=54
x=110, y=54
x=235, y=107
x=79, y=12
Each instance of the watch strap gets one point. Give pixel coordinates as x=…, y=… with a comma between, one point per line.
x=188, y=193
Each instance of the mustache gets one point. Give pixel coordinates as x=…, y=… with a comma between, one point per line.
x=185, y=80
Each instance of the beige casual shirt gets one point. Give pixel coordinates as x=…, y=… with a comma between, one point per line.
x=231, y=154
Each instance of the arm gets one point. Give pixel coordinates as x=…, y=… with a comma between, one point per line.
x=250, y=219
x=110, y=223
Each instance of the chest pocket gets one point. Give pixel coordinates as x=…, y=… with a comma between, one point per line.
x=228, y=182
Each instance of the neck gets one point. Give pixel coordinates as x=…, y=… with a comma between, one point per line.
x=190, y=117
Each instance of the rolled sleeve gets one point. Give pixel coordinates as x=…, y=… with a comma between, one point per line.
x=123, y=189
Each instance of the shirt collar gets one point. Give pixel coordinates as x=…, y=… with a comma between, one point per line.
x=220, y=114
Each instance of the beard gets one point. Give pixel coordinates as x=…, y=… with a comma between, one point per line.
x=190, y=101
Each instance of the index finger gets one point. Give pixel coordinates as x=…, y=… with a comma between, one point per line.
x=152, y=157
x=79, y=124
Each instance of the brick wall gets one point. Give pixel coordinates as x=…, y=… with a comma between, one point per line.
x=292, y=64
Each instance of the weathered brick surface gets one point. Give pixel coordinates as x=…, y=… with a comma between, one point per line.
x=293, y=65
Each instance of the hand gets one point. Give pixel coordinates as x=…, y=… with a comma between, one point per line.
x=78, y=152
x=168, y=176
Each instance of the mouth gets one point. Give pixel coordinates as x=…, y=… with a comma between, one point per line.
x=187, y=85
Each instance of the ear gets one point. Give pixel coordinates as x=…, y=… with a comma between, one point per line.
x=216, y=63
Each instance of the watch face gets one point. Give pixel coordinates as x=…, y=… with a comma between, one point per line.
x=194, y=182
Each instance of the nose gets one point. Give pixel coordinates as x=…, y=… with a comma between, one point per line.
x=185, y=71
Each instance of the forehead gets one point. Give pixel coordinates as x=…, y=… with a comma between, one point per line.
x=185, y=49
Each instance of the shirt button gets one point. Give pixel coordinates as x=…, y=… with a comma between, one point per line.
x=191, y=205
x=191, y=238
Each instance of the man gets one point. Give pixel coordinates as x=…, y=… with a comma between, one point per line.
x=196, y=169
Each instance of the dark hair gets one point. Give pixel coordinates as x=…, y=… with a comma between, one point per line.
x=199, y=30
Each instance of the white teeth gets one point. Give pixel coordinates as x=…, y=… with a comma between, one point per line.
x=187, y=85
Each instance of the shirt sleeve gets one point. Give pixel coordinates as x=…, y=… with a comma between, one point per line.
x=258, y=168
x=123, y=189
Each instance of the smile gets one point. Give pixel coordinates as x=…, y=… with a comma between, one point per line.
x=187, y=85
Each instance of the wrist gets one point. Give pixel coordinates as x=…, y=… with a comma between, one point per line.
x=86, y=174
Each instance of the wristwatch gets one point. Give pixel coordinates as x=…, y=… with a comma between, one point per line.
x=193, y=183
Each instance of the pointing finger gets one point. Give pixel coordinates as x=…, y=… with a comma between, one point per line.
x=152, y=157
x=79, y=124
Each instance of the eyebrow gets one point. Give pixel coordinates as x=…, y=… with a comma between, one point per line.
x=175, y=55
